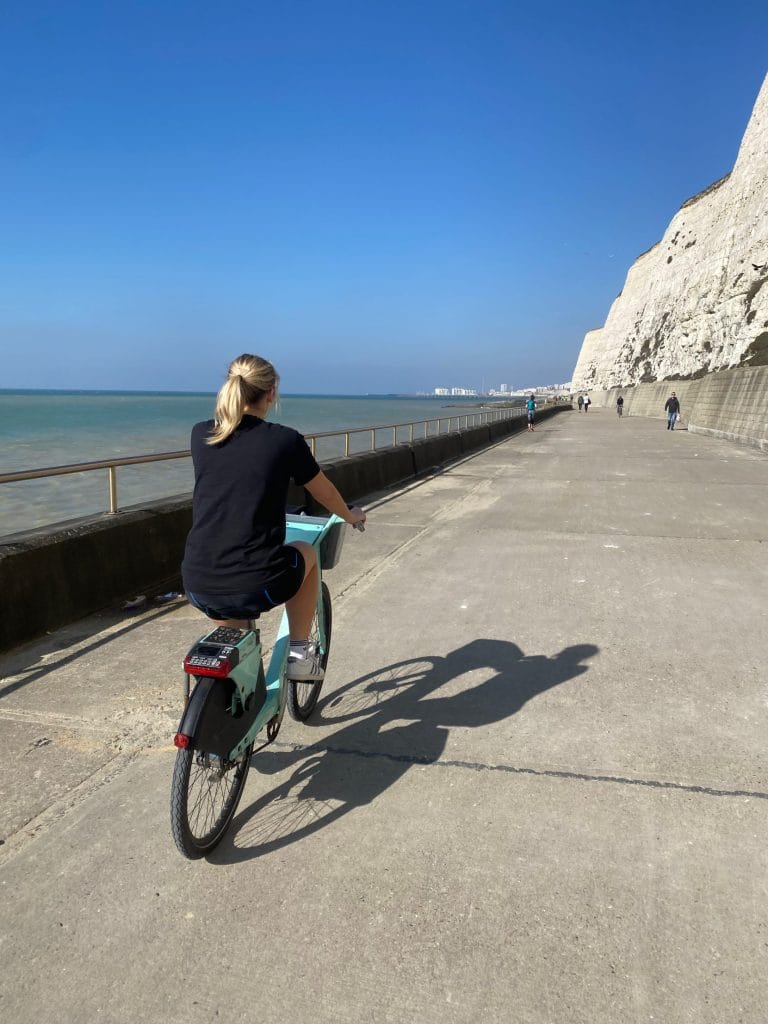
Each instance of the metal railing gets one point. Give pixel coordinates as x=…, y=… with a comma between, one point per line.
x=373, y=432
x=469, y=420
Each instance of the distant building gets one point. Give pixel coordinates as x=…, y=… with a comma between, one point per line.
x=442, y=391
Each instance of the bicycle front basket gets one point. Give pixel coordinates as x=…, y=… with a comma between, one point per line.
x=331, y=545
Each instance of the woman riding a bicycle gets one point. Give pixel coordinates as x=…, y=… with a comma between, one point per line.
x=236, y=563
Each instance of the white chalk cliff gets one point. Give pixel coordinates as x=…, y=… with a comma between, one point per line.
x=698, y=300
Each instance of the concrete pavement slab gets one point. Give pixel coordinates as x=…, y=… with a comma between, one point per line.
x=534, y=790
x=358, y=888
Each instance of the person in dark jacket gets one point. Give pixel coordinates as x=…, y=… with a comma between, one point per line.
x=619, y=406
x=672, y=409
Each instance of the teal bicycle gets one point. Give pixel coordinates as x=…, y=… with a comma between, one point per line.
x=230, y=700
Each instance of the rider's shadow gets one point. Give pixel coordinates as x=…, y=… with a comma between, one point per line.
x=388, y=721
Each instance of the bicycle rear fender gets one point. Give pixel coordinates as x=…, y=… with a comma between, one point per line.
x=218, y=714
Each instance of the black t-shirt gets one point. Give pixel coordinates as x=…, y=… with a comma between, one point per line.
x=238, y=508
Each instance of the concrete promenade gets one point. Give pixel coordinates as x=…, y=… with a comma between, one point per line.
x=535, y=790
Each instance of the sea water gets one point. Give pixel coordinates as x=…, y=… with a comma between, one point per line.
x=40, y=429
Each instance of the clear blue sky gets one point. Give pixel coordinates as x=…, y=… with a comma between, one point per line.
x=378, y=196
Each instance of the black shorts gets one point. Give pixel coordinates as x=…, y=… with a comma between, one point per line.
x=247, y=606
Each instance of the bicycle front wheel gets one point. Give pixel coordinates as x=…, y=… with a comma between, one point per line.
x=205, y=793
x=303, y=697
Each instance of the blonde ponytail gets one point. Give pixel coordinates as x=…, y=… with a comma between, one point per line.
x=248, y=379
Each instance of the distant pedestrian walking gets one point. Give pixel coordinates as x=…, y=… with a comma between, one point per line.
x=530, y=407
x=619, y=406
x=580, y=402
x=587, y=403
x=672, y=409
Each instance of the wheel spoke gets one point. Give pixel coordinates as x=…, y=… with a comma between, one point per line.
x=210, y=790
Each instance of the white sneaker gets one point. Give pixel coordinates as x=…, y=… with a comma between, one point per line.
x=307, y=669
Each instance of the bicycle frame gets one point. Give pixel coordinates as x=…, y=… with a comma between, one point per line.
x=247, y=674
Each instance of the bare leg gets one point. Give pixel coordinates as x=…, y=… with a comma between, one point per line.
x=301, y=607
x=236, y=623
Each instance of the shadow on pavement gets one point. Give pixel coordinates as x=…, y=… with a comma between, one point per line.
x=52, y=652
x=388, y=721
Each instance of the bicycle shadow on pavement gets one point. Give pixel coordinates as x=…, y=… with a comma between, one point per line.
x=388, y=721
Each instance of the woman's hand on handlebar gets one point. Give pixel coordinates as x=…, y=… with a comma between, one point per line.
x=356, y=518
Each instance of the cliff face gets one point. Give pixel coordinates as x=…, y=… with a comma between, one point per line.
x=698, y=300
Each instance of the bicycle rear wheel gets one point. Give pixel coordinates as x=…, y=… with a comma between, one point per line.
x=205, y=792
x=303, y=697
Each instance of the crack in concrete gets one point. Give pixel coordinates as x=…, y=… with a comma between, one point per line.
x=42, y=822
x=479, y=766
x=59, y=721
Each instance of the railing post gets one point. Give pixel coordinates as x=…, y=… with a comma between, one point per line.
x=346, y=444
x=312, y=445
x=373, y=440
x=411, y=437
x=112, y=474
x=394, y=436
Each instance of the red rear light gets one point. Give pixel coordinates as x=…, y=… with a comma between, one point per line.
x=220, y=670
x=181, y=741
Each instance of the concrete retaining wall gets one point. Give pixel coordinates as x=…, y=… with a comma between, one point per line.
x=360, y=475
x=732, y=404
x=54, y=576
x=431, y=452
x=474, y=438
x=59, y=574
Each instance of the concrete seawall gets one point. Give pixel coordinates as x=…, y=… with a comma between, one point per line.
x=731, y=404
x=53, y=576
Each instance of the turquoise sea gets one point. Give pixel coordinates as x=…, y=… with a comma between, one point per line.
x=54, y=428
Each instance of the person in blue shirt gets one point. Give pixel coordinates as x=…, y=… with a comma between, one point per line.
x=530, y=406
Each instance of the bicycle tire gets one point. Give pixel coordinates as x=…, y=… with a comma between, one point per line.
x=195, y=774
x=303, y=697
